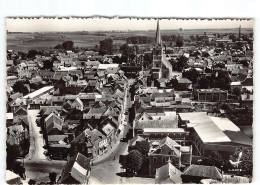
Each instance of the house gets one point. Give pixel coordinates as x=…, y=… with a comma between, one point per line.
x=77, y=104
x=248, y=84
x=16, y=134
x=94, y=113
x=11, y=80
x=21, y=111
x=211, y=95
x=38, y=93
x=58, y=146
x=135, y=139
x=183, y=84
x=86, y=143
x=46, y=75
x=195, y=173
x=103, y=142
x=178, y=134
x=161, y=151
x=9, y=119
x=247, y=99
x=139, y=126
x=53, y=124
x=168, y=174
x=76, y=171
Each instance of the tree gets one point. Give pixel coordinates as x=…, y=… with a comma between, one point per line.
x=125, y=49
x=247, y=161
x=237, y=91
x=192, y=38
x=191, y=74
x=173, y=83
x=59, y=46
x=96, y=48
x=106, y=45
x=141, y=146
x=134, y=161
x=204, y=83
x=52, y=177
x=68, y=45
x=19, y=87
x=181, y=62
x=31, y=54
x=47, y=64
x=179, y=41
x=12, y=151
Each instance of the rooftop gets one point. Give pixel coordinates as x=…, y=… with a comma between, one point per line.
x=38, y=92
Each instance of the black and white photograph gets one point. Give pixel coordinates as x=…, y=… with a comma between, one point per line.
x=128, y=100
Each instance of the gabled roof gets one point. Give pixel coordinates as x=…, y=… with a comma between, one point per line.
x=168, y=174
x=133, y=141
x=20, y=111
x=247, y=82
x=78, y=101
x=82, y=136
x=143, y=114
x=53, y=121
x=207, y=172
x=169, y=143
x=108, y=128
x=77, y=168
x=110, y=112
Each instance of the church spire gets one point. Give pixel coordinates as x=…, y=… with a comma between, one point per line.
x=158, y=39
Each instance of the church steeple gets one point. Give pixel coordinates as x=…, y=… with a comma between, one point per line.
x=158, y=39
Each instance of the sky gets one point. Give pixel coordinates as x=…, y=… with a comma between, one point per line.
x=106, y=24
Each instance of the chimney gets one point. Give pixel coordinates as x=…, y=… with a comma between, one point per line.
x=169, y=161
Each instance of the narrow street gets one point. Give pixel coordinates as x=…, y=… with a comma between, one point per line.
x=36, y=163
x=36, y=151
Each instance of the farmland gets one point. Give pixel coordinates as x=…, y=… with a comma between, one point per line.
x=48, y=40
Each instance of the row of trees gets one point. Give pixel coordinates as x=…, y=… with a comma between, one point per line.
x=140, y=40
x=219, y=79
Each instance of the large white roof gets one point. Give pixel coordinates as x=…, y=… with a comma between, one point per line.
x=166, y=130
x=38, y=92
x=210, y=133
x=224, y=124
x=105, y=66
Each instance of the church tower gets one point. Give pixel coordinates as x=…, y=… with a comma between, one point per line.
x=161, y=67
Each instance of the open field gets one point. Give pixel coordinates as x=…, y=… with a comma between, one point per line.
x=48, y=40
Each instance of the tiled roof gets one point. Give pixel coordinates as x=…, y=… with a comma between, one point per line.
x=156, y=124
x=133, y=141
x=77, y=168
x=209, y=172
x=168, y=174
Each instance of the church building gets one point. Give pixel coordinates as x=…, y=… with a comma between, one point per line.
x=161, y=67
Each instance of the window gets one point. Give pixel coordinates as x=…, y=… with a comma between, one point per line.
x=163, y=159
x=154, y=160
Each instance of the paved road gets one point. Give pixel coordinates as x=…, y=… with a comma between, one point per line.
x=36, y=164
x=105, y=173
